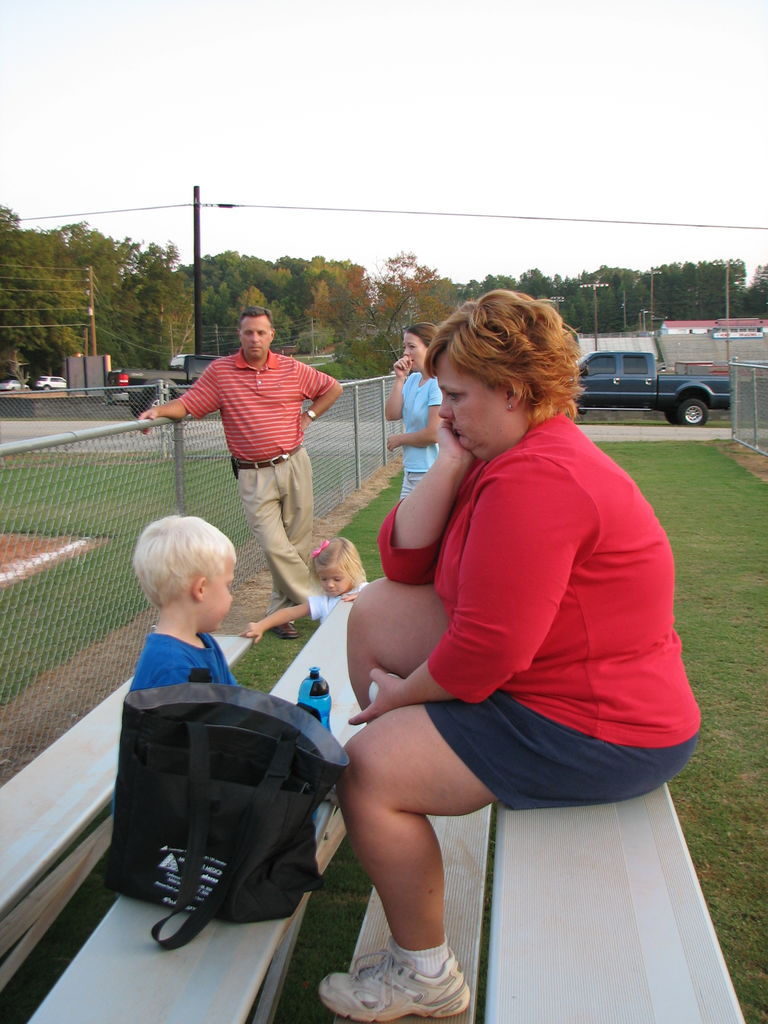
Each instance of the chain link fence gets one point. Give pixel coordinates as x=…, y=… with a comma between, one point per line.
x=77, y=486
x=749, y=404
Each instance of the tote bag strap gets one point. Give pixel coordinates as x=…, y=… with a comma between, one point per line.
x=250, y=837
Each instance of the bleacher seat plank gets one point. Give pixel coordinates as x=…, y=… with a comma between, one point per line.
x=121, y=975
x=464, y=845
x=597, y=915
x=53, y=799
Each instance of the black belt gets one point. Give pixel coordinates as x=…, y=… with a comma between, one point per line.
x=266, y=463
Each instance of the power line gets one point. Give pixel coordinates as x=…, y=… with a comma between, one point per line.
x=417, y=213
x=98, y=213
x=20, y=266
x=506, y=216
x=27, y=280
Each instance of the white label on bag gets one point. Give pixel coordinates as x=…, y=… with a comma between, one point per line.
x=171, y=866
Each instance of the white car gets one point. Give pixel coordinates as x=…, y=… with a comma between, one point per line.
x=11, y=384
x=177, y=363
x=50, y=383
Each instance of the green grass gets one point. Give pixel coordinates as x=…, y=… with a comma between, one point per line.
x=715, y=513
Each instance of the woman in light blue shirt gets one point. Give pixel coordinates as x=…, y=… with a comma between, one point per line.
x=415, y=399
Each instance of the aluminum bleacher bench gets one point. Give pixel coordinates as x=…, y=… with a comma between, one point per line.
x=597, y=916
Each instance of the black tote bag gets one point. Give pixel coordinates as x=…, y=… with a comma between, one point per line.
x=215, y=792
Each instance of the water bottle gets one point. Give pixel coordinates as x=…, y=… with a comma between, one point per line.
x=315, y=697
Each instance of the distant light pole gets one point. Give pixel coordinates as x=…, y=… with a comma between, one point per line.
x=652, y=273
x=727, y=312
x=594, y=285
x=557, y=299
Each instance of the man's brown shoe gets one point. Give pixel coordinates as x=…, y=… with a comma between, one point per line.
x=286, y=632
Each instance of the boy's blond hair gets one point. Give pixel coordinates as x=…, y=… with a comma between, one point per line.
x=171, y=552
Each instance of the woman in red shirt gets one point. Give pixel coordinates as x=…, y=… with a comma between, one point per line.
x=522, y=644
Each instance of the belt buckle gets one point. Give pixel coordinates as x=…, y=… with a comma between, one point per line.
x=282, y=457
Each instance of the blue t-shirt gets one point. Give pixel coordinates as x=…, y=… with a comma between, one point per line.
x=165, y=661
x=416, y=404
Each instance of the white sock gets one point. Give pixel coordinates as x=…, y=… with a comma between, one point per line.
x=425, y=961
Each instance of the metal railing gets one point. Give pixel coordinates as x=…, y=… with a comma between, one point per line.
x=72, y=502
x=749, y=404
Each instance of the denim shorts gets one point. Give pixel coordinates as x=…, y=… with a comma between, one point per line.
x=527, y=760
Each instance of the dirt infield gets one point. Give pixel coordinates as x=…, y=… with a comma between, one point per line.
x=22, y=555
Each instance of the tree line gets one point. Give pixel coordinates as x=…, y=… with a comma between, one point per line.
x=61, y=286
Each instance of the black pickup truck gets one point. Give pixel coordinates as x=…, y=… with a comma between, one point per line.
x=630, y=380
x=141, y=387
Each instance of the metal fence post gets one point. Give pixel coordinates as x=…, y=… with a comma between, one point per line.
x=178, y=466
x=383, y=421
x=356, y=422
x=755, y=412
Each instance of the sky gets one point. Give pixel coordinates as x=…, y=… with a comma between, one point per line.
x=543, y=117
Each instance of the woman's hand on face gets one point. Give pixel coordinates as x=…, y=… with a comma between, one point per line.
x=449, y=447
x=403, y=367
x=383, y=693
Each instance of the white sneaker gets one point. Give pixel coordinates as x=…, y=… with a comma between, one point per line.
x=380, y=987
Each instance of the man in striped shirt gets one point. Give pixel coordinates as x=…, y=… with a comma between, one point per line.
x=260, y=396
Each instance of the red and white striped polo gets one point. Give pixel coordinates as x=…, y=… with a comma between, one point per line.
x=260, y=409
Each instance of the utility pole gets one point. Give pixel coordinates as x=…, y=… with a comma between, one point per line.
x=196, y=272
x=196, y=267
x=91, y=312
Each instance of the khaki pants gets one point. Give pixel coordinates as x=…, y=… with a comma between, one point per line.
x=279, y=506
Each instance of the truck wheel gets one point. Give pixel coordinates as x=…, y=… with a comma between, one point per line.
x=692, y=413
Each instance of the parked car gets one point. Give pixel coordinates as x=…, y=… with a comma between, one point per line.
x=11, y=384
x=177, y=363
x=50, y=383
